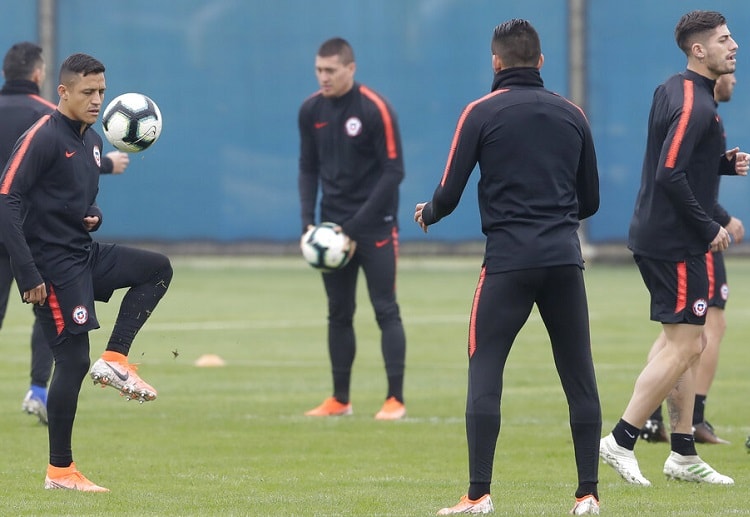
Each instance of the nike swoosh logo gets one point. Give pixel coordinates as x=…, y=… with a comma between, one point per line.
x=122, y=376
x=380, y=244
x=628, y=433
x=69, y=154
x=319, y=125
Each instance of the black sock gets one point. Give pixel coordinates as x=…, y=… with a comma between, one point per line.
x=477, y=490
x=699, y=409
x=396, y=387
x=585, y=489
x=657, y=415
x=683, y=444
x=626, y=434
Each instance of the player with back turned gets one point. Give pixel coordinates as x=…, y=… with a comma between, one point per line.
x=350, y=149
x=47, y=214
x=538, y=179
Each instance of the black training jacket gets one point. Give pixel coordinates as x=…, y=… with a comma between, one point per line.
x=538, y=173
x=48, y=186
x=20, y=107
x=351, y=147
x=674, y=210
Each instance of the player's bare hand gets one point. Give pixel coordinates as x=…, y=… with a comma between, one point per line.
x=90, y=222
x=418, y=216
x=742, y=164
x=735, y=229
x=721, y=241
x=36, y=296
x=120, y=161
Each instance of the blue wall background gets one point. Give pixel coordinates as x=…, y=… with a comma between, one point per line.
x=229, y=76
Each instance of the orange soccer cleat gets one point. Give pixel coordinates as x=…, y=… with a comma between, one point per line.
x=331, y=407
x=392, y=409
x=69, y=478
x=113, y=369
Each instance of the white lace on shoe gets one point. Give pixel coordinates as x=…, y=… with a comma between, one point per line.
x=692, y=468
x=622, y=460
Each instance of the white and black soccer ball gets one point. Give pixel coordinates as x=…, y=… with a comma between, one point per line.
x=325, y=247
x=132, y=122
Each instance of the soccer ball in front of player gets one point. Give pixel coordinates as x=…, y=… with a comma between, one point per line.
x=326, y=247
x=132, y=122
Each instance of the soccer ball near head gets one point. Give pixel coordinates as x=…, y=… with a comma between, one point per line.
x=325, y=247
x=132, y=122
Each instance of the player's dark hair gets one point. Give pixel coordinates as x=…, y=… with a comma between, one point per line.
x=516, y=43
x=694, y=25
x=337, y=47
x=82, y=64
x=21, y=60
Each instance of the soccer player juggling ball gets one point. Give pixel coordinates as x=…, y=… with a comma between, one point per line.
x=47, y=213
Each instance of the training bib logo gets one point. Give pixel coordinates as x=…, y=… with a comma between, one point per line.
x=353, y=126
x=80, y=315
x=700, y=306
x=97, y=156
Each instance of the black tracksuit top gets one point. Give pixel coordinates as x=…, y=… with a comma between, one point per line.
x=47, y=187
x=674, y=210
x=538, y=173
x=351, y=147
x=20, y=107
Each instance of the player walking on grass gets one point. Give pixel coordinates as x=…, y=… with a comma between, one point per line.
x=350, y=148
x=654, y=429
x=47, y=211
x=538, y=179
x=670, y=233
x=20, y=106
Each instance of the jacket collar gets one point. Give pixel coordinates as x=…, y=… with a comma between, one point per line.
x=520, y=76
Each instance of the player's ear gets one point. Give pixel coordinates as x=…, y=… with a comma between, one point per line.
x=540, y=63
x=497, y=63
x=698, y=50
x=62, y=91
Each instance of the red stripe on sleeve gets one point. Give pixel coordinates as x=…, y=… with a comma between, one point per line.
x=459, y=128
x=44, y=101
x=390, y=138
x=687, y=109
x=18, y=156
x=681, y=301
x=474, y=307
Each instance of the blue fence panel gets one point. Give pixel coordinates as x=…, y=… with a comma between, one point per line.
x=17, y=23
x=230, y=75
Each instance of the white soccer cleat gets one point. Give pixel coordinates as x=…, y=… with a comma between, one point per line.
x=33, y=405
x=622, y=460
x=586, y=505
x=123, y=377
x=692, y=468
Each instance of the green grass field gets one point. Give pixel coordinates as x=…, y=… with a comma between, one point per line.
x=233, y=441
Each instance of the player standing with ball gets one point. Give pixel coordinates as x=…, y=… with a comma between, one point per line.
x=47, y=213
x=350, y=149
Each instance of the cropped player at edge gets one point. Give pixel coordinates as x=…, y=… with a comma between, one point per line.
x=350, y=147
